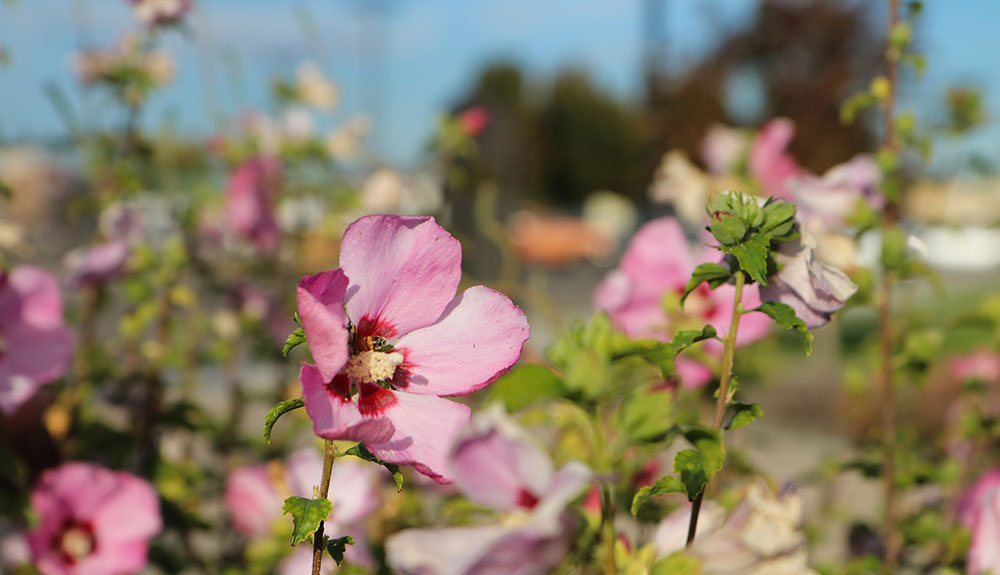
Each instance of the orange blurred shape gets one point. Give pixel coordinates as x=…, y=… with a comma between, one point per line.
x=557, y=240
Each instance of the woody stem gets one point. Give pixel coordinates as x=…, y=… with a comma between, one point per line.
x=319, y=539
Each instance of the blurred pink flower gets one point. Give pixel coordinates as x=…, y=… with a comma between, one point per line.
x=497, y=464
x=979, y=510
x=250, y=197
x=36, y=344
x=92, y=520
x=151, y=13
x=255, y=495
x=813, y=289
x=830, y=200
x=723, y=148
x=474, y=120
x=121, y=227
x=982, y=365
x=770, y=165
x=379, y=379
x=657, y=263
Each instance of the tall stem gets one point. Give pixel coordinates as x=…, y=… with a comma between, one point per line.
x=329, y=454
x=884, y=303
x=607, y=496
x=728, y=354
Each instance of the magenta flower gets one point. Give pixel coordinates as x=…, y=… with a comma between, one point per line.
x=121, y=227
x=813, y=289
x=979, y=510
x=981, y=365
x=770, y=165
x=830, y=200
x=36, y=344
x=250, y=196
x=379, y=379
x=474, y=120
x=92, y=520
x=497, y=464
x=657, y=265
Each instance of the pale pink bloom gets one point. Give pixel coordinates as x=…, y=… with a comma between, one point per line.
x=411, y=340
x=91, y=521
x=497, y=464
x=982, y=365
x=474, y=120
x=153, y=13
x=96, y=264
x=723, y=148
x=657, y=264
x=829, y=201
x=770, y=165
x=36, y=344
x=813, y=289
x=255, y=494
x=979, y=510
x=250, y=197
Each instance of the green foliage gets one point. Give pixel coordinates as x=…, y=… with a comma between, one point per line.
x=679, y=563
x=306, y=514
x=361, y=452
x=744, y=414
x=337, y=547
x=665, y=484
x=714, y=274
x=295, y=338
x=752, y=256
x=645, y=417
x=784, y=316
x=854, y=105
x=696, y=467
x=659, y=354
x=526, y=384
x=729, y=229
x=583, y=355
x=277, y=411
x=893, y=254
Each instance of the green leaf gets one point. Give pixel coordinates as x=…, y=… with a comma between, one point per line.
x=337, y=547
x=697, y=466
x=779, y=219
x=854, y=105
x=583, y=355
x=709, y=445
x=665, y=484
x=361, y=452
x=893, y=254
x=752, y=256
x=277, y=411
x=744, y=414
x=306, y=514
x=526, y=384
x=714, y=274
x=660, y=354
x=295, y=338
x=784, y=316
x=728, y=229
x=645, y=417
x=679, y=563
x=691, y=466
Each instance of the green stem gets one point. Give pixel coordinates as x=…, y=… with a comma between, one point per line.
x=607, y=496
x=319, y=539
x=728, y=354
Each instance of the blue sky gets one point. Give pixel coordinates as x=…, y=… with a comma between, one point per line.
x=427, y=52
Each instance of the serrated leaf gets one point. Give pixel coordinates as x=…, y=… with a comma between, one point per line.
x=714, y=274
x=337, y=547
x=526, y=384
x=660, y=354
x=295, y=338
x=691, y=467
x=361, y=452
x=665, y=484
x=708, y=442
x=784, y=316
x=306, y=514
x=752, y=256
x=744, y=414
x=277, y=411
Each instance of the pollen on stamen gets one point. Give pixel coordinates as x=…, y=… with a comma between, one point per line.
x=373, y=366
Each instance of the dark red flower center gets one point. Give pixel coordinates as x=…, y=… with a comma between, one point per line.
x=74, y=541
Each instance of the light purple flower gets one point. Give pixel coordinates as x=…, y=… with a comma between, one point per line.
x=979, y=510
x=813, y=289
x=92, y=520
x=152, y=13
x=723, y=148
x=411, y=340
x=250, y=197
x=36, y=344
x=830, y=200
x=121, y=227
x=495, y=463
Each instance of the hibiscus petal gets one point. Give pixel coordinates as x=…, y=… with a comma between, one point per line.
x=404, y=271
x=476, y=340
x=659, y=256
x=131, y=512
x=441, y=551
x=337, y=417
x=497, y=463
x=31, y=296
x=424, y=428
x=321, y=311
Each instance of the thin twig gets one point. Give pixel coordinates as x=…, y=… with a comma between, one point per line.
x=330, y=453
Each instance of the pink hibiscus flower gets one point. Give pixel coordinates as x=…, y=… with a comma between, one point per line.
x=405, y=340
x=153, y=13
x=498, y=465
x=92, y=520
x=36, y=345
x=768, y=161
x=250, y=197
x=979, y=510
x=659, y=262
